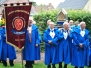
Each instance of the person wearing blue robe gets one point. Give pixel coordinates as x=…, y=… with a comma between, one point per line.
x=64, y=46
x=76, y=26
x=0, y=42
x=51, y=46
x=31, y=51
x=81, y=47
x=8, y=51
x=89, y=53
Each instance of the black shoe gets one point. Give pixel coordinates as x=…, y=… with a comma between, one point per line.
x=11, y=63
x=60, y=64
x=75, y=67
x=65, y=66
x=4, y=63
x=49, y=66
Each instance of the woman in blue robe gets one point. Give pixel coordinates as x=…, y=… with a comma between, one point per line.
x=81, y=47
x=64, y=46
x=51, y=46
x=31, y=51
x=8, y=51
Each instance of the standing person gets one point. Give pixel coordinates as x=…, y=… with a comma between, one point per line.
x=64, y=46
x=8, y=51
x=51, y=46
x=0, y=42
x=89, y=53
x=76, y=26
x=31, y=49
x=81, y=47
x=71, y=24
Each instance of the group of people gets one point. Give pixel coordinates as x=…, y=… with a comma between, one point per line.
x=69, y=44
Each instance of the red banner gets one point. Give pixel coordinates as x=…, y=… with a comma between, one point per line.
x=17, y=16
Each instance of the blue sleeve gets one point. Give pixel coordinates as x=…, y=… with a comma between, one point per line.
x=60, y=35
x=46, y=38
x=37, y=37
x=86, y=42
x=55, y=40
x=75, y=41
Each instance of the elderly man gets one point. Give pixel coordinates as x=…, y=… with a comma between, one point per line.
x=64, y=47
x=31, y=49
x=51, y=46
x=81, y=45
x=71, y=24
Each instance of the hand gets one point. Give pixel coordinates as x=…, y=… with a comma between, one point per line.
x=36, y=45
x=81, y=46
x=30, y=40
x=50, y=42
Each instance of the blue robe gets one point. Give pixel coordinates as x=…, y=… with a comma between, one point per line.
x=8, y=51
x=0, y=42
x=90, y=50
x=80, y=56
x=64, y=48
x=30, y=51
x=51, y=50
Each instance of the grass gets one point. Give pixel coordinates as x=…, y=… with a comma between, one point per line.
x=37, y=65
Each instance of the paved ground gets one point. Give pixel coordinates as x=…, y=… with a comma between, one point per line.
x=19, y=58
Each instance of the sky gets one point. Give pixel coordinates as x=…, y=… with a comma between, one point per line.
x=46, y=2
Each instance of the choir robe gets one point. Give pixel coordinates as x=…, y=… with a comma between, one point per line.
x=80, y=56
x=8, y=51
x=0, y=42
x=51, y=50
x=90, y=50
x=30, y=51
x=64, y=47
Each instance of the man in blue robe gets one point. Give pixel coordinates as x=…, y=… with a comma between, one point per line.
x=31, y=51
x=51, y=46
x=81, y=47
x=0, y=42
x=64, y=46
x=8, y=51
x=89, y=53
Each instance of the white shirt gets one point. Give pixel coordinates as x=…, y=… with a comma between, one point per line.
x=52, y=33
x=29, y=30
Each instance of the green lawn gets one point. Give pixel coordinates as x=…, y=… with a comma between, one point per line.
x=39, y=65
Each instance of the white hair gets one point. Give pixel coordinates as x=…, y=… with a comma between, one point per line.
x=82, y=23
x=52, y=23
x=34, y=22
x=31, y=18
x=65, y=23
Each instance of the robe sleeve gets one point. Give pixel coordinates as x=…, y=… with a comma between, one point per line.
x=75, y=41
x=55, y=40
x=60, y=35
x=46, y=38
x=37, y=37
x=86, y=42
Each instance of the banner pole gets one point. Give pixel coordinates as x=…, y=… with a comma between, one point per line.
x=22, y=58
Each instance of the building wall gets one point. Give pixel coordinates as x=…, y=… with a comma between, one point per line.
x=88, y=6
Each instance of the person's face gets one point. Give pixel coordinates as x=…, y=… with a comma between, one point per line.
x=51, y=26
x=30, y=22
x=83, y=26
x=71, y=23
x=65, y=26
x=76, y=24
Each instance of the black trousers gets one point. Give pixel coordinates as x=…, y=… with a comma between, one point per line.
x=89, y=63
x=29, y=64
x=5, y=62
